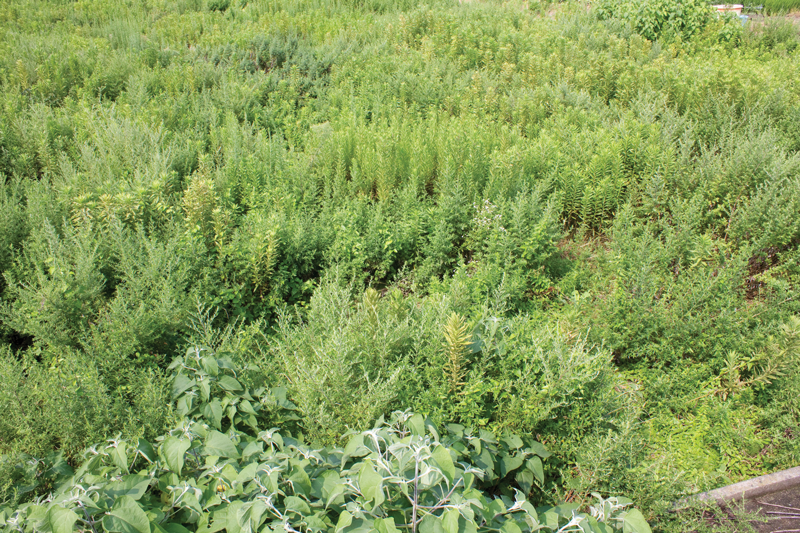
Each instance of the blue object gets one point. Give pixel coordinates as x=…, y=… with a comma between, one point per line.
x=744, y=19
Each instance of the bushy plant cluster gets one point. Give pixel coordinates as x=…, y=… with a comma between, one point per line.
x=402, y=474
x=573, y=223
x=781, y=6
x=660, y=18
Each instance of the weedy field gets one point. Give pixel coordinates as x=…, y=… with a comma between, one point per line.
x=352, y=265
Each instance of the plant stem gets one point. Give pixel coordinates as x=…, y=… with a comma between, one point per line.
x=416, y=496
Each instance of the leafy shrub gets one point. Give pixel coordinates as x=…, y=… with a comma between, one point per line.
x=607, y=217
x=402, y=473
x=781, y=6
x=57, y=286
x=397, y=475
x=218, y=5
x=65, y=405
x=654, y=19
x=343, y=363
x=667, y=277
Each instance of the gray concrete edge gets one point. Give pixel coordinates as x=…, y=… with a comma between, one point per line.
x=749, y=489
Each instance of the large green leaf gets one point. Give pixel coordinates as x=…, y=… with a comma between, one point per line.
x=509, y=526
x=212, y=411
x=371, y=483
x=385, y=525
x=633, y=522
x=512, y=441
x=173, y=449
x=297, y=505
x=536, y=467
x=345, y=519
x=60, y=520
x=218, y=444
x=251, y=514
x=416, y=424
x=172, y=527
x=299, y=477
x=509, y=463
x=524, y=479
x=325, y=484
x=180, y=384
x=431, y=524
x=450, y=521
x=126, y=517
x=355, y=448
x=232, y=524
x=134, y=486
x=444, y=461
x=229, y=384
x=146, y=449
x=210, y=365
x=119, y=456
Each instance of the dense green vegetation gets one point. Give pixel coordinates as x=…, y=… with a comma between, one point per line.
x=548, y=223
x=781, y=6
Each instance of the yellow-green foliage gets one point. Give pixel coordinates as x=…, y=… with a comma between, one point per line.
x=456, y=341
x=595, y=209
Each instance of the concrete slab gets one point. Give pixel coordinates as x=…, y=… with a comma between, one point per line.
x=782, y=507
x=776, y=496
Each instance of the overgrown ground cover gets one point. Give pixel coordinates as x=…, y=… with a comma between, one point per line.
x=577, y=225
